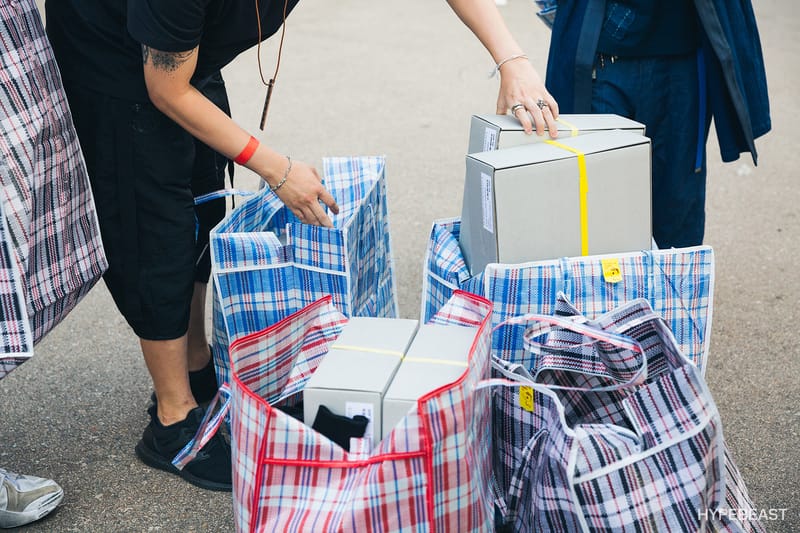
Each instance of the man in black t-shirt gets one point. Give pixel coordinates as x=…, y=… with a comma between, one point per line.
x=151, y=111
x=144, y=83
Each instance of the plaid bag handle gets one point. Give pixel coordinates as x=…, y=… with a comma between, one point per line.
x=627, y=367
x=208, y=427
x=515, y=375
x=221, y=193
x=363, y=251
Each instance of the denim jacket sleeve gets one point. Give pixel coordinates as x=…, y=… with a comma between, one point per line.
x=737, y=81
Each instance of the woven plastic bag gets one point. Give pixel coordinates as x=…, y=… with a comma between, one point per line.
x=613, y=430
x=431, y=473
x=52, y=254
x=678, y=284
x=267, y=265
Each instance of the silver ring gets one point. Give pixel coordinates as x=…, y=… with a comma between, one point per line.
x=515, y=107
x=541, y=104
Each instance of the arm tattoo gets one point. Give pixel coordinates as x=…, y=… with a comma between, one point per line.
x=167, y=61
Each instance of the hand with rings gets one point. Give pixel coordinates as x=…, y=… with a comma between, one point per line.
x=536, y=112
x=524, y=95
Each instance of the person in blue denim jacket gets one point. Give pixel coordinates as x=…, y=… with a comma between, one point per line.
x=672, y=66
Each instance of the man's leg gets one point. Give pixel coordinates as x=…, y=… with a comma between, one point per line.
x=662, y=93
x=670, y=108
x=140, y=165
x=167, y=363
x=197, y=341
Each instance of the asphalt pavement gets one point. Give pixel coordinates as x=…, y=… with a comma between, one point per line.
x=402, y=79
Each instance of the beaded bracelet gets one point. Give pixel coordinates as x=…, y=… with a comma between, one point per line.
x=285, y=176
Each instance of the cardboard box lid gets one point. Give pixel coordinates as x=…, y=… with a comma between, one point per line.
x=438, y=356
x=451, y=343
x=392, y=334
x=414, y=379
x=529, y=154
x=345, y=370
x=365, y=355
x=582, y=122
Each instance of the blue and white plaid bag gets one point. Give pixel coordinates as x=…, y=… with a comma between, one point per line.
x=612, y=430
x=267, y=265
x=678, y=284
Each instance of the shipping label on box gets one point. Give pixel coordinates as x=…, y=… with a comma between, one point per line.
x=438, y=356
x=584, y=195
x=495, y=132
x=355, y=373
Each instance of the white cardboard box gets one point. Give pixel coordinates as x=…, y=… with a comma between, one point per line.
x=437, y=356
x=495, y=132
x=354, y=374
x=527, y=203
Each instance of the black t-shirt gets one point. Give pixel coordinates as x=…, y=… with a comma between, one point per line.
x=649, y=28
x=98, y=42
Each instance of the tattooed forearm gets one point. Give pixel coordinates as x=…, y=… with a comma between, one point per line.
x=168, y=61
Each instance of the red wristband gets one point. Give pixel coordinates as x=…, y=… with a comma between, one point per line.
x=248, y=151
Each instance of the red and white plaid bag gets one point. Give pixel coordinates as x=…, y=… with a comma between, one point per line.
x=431, y=473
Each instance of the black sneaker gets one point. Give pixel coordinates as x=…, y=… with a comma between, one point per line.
x=211, y=469
x=203, y=383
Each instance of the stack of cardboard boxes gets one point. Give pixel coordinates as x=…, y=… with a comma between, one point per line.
x=529, y=198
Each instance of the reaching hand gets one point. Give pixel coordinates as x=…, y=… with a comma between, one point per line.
x=302, y=192
x=524, y=94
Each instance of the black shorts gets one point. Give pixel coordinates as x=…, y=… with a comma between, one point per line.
x=145, y=171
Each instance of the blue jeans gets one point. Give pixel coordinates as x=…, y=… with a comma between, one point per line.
x=663, y=94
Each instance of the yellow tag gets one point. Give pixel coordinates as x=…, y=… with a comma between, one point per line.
x=611, y=270
x=526, y=398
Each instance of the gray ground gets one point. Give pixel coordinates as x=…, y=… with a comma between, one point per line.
x=402, y=79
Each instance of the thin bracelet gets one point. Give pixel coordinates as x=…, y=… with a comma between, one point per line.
x=285, y=176
x=496, y=68
x=247, y=152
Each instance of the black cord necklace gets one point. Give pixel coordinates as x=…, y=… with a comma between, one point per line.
x=271, y=83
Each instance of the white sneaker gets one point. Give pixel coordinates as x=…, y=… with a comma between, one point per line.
x=25, y=499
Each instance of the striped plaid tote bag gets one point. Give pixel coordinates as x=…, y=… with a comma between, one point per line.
x=432, y=473
x=267, y=265
x=678, y=284
x=614, y=430
x=51, y=237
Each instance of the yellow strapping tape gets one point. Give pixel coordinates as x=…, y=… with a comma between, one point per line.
x=435, y=361
x=572, y=127
x=583, y=191
x=366, y=349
